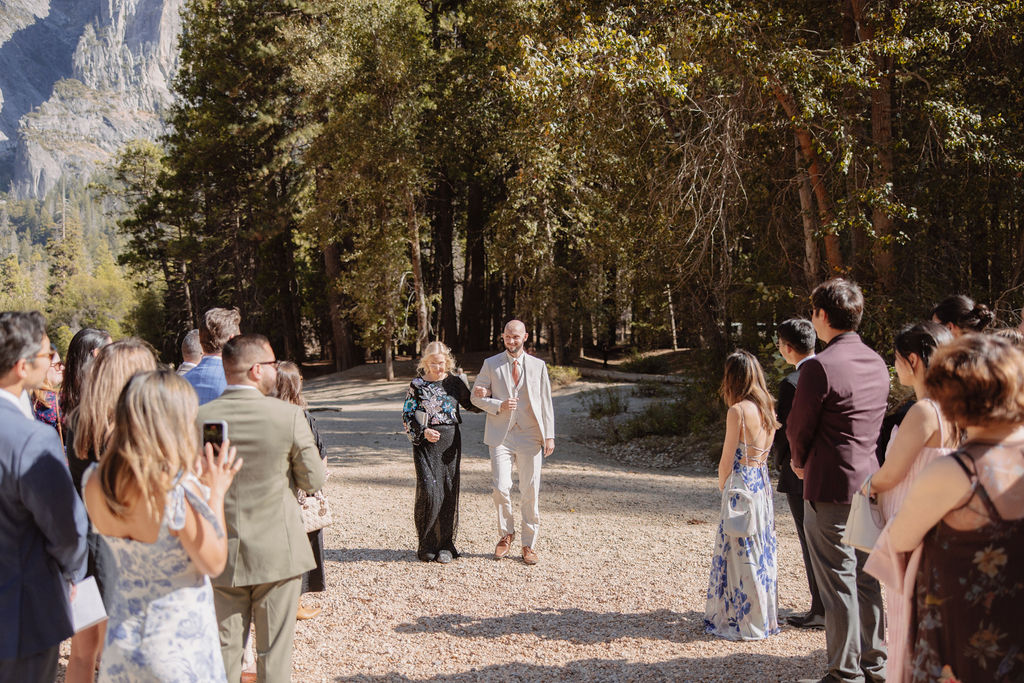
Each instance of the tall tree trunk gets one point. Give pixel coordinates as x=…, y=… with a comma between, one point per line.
x=344, y=351
x=422, y=313
x=883, y=159
x=443, y=261
x=474, y=320
x=672, y=318
x=817, y=177
x=389, y=354
x=812, y=259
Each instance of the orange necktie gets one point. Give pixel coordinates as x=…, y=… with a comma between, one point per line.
x=515, y=372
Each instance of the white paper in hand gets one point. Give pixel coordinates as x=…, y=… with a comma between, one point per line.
x=87, y=606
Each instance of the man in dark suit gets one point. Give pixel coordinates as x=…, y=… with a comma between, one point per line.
x=42, y=519
x=796, y=345
x=837, y=412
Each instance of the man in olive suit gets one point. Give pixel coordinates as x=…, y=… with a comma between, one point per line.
x=268, y=550
x=514, y=389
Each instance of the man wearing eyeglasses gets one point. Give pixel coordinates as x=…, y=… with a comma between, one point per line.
x=268, y=549
x=42, y=520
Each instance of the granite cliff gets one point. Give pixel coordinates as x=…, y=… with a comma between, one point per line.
x=78, y=79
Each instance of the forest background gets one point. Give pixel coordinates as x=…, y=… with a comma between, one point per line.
x=362, y=175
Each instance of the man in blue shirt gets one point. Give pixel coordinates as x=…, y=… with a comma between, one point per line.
x=218, y=326
x=42, y=519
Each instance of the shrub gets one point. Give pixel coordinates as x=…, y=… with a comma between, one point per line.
x=604, y=403
x=695, y=411
x=562, y=375
x=649, y=388
x=645, y=365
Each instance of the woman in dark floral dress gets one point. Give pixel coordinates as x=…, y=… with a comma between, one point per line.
x=967, y=511
x=431, y=416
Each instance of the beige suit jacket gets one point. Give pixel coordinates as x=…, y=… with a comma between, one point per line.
x=266, y=540
x=496, y=375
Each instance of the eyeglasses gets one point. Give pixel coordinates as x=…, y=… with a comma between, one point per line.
x=45, y=354
x=274, y=363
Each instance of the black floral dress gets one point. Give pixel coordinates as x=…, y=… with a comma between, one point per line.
x=436, y=510
x=970, y=585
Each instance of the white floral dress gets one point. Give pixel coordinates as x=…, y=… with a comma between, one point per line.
x=162, y=622
x=742, y=598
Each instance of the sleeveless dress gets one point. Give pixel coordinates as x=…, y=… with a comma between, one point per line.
x=742, y=599
x=162, y=623
x=970, y=586
x=899, y=579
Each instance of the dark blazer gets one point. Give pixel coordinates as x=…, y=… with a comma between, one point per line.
x=837, y=412
x=42, y=536
x=788, y=481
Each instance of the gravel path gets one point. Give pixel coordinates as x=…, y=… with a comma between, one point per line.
x=618, y=594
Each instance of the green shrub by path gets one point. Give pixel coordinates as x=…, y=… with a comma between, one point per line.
x=604, y=403
x=695, y=411
x=649, y=388
x=562, y=375
x=645, y=365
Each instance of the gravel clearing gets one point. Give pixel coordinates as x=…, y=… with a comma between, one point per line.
x=618, y=594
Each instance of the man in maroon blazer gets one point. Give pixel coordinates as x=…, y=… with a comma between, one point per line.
x=833, y=426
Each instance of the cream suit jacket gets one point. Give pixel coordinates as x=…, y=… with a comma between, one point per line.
x=266, y=539
x=496, y=375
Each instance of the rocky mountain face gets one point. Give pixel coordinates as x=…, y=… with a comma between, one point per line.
x=78, y=79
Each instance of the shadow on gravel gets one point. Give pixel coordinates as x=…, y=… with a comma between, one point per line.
x=383, y=555
x=574, y=625
x=720, y=668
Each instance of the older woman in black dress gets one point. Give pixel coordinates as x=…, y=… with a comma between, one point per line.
x=431, y=416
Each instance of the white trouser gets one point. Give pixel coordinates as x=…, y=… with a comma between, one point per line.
x=525, y=447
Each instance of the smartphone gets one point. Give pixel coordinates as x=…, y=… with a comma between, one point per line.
x=215, y=432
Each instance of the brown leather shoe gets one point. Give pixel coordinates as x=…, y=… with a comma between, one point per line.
x=504, y=545
x=304, y=612
x=529, y=557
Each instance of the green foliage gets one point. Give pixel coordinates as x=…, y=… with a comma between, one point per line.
x=563, y=375
x=604, y=402
x=645, y=364
x=691, y=413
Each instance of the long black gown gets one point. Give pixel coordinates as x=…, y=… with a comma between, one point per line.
x=436, y=510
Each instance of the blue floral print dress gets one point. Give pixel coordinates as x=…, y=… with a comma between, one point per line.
x=162, y=623
x=743, y=587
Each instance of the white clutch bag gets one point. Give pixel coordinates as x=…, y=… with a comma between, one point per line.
x=865, y=522
x=737, y=511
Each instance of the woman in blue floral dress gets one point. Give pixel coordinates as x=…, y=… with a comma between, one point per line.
x=742, y=599
x=165, y=528
x=431, y=416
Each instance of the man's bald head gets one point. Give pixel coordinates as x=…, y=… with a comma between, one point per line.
x=514, y=336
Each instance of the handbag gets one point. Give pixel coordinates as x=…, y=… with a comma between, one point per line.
x=316, y=512
x=865, y=522
x=737, y=511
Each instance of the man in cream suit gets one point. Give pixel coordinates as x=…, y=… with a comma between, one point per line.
x=514, y=390
x=267, y=546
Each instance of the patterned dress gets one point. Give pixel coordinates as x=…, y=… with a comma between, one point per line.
x=742, y=599
x=162, y=623
x=436, y=510
x=970, y=585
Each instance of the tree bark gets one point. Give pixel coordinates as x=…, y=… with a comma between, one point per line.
x=422, y=314
x=812, y=259
x=474, y=320
x=344, y=353
x=814, y=169
x=443, y=261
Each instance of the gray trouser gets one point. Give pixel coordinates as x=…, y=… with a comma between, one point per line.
x=525, y=447
x=40, y=667
x=854, y=627
x=796, y=506
x=271, y=607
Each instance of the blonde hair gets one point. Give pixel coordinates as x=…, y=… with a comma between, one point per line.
x=432, y=348
x=153, y=439
x=744, y=381
x=114, y=365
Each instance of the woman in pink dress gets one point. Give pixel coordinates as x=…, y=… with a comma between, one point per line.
x=924, y=435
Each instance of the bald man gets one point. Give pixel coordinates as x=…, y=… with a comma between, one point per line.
x=514, y=390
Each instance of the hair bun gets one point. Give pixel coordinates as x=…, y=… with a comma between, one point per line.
x=984, y=314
